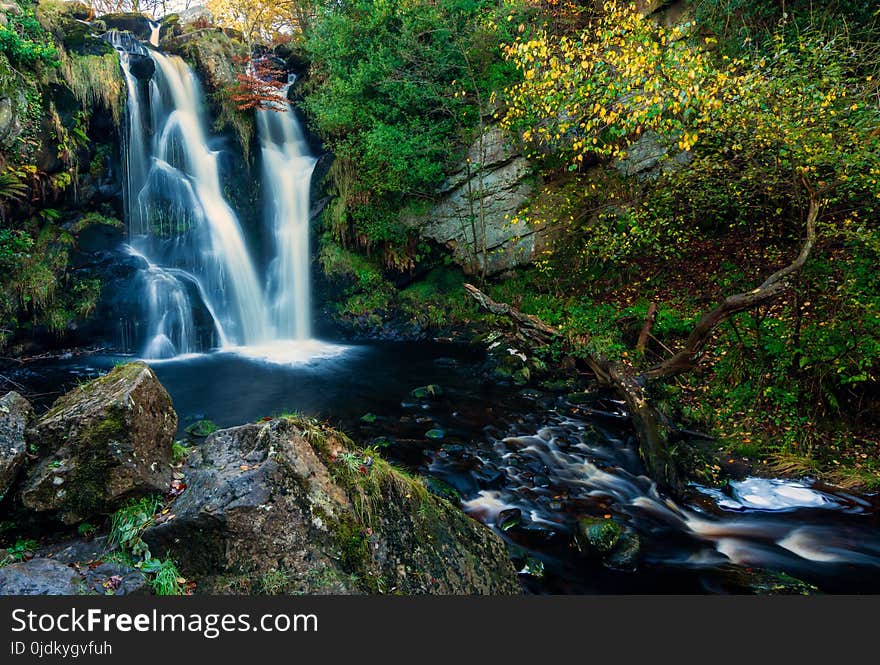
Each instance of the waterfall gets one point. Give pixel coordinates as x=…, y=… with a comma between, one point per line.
x=198, y=263
x=287, y=173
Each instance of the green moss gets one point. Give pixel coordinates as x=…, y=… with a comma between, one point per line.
x=86, y=487
x=96, y=81
x=202, y=428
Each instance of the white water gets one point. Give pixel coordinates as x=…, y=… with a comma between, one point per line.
x=757, y=525
x=287, y=175
x=182, y=143
x=155, y=28
x=180, y=222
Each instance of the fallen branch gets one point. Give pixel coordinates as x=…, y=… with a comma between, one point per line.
x=650, y=426
x=530, y=326
x=772, y=287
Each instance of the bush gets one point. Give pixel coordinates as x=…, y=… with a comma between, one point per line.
x=25, y=41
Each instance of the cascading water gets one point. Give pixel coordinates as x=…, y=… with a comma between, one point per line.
x=181, y=223
x=287, y=174
x=155, y=29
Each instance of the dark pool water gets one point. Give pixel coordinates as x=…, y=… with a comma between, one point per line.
x=526, y=463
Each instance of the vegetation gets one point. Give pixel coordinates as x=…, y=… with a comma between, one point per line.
x=25, y=41
x=398, y=89
x=46, y=140
x=707, y=180
x=22, y=550
x=126, y=527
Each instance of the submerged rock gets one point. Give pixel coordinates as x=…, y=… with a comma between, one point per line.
x=617, y=546
x=16, y=416
x=40, y=577
x=103, y=442
x=764, y=582
x=288, y=507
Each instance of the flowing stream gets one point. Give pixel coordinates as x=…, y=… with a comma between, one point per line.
x=531, y=465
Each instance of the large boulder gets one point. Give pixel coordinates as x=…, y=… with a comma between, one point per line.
x=40, y=577
x=289, y=506
x=103, y=442
x=16, y=416
x=137, y=24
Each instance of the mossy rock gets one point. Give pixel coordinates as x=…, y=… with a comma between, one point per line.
x=617, y=546
x=765, y=582
x=282, y=499
x=102, y=443
x=16, y=417
x=431, y=391
x=597, y=535
x=202, y=428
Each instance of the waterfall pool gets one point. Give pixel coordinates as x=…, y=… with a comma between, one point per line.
x=529, y=464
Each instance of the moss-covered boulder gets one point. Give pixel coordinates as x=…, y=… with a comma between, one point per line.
x=16, y=416
x=763, y=582
x=103, y=442
x=288, y=506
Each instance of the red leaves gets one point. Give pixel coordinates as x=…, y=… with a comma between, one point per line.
x=261, y=88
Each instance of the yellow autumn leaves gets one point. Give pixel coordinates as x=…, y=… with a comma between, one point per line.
x=593, y=91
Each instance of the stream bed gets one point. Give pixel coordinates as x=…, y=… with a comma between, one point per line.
x=529, y=464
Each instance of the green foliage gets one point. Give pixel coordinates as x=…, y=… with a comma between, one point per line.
x=24, y=41
x=743, y=23
x=86, y=530
x=393, y=86
x=21, y=550
x=126, y=527
x=12, y=185
x=37, y=287
x=130, y=521
x=179, y=452
x=166, y=578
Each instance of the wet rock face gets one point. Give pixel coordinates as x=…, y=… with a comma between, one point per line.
x=142, y=67
x=492, y=184
x=16, y=416
x=286, y=506
x=103, y=442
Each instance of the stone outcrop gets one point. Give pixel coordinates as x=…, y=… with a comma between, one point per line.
x=16, y=416
x=40, y=577
x=289, y=507
x=103, y=442
x=493, y=183
x=133, y=22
